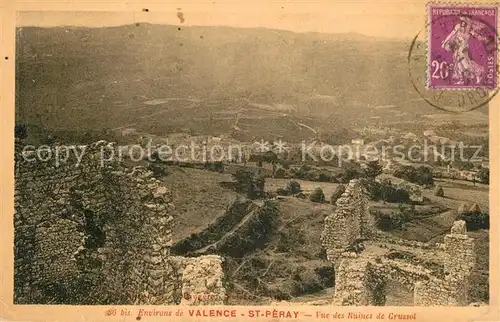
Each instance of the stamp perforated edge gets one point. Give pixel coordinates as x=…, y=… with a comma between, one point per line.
x=428, y=32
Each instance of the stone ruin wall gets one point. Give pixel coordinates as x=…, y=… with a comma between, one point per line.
x=361, y=277
x=201, y=280
x=351, y=218
x=113, y=224
x=359, y=284
x=459, y=261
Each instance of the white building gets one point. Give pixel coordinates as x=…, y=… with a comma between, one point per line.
x=358, y=141
x=430, y=133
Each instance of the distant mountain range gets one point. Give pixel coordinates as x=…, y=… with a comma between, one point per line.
x=96, y=78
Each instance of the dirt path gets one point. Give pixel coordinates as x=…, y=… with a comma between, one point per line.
x=231, y=232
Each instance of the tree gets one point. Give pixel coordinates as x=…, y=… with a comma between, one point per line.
x=324, y=177
x=350, y=172
x=438, y=191
x=484, y=175
x=285, y=164
x=280, y=173
x=265, y=157
x=270, y=157
x=466, y=166
x=406, y=211
x=257, y=187
x=373, y=169
x=282, y=192
x=384, y=191
x=294, y=187
x=337, y=193
x=422, y=175
x=247, y=181
x=317, y=195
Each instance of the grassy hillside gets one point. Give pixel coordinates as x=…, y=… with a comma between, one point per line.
x=198, y=198
x=292, y=264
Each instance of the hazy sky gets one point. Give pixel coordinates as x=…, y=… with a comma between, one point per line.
x=381, y=19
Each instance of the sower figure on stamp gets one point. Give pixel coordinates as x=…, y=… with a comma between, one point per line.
x=465, y=69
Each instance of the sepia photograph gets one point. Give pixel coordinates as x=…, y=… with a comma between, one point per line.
x=276, y=160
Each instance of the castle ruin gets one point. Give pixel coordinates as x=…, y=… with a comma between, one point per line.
x=365, y=258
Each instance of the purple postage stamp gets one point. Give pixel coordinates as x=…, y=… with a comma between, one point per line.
x=462, y=46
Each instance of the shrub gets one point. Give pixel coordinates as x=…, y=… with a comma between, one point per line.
x=308, y=279
x=293, y=187
x=324, y=177
x=285, y=164
x=397, y=195
x=317, y=195
x=475, y=220
x=484, y=175
x=283, y=192
x=253, y=235
x=337, y=193
x=438, y=191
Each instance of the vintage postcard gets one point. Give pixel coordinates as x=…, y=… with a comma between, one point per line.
x=249, y=161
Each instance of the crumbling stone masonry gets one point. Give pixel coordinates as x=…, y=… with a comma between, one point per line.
x=458, y=263
x=201, y=280
x=360, y=284
x=106, y=227
x=350, y=221
x=360, y=277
